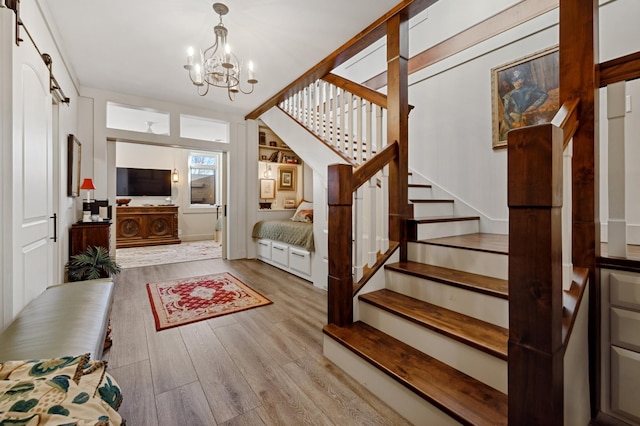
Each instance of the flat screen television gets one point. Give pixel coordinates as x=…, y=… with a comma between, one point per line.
x=143, y=182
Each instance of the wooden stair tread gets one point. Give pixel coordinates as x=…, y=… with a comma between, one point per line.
x=491, y=243
x=480, y=283
x=430, y=200
x=462, y=397
x=419, y=185
x=486, y=337
x=439, y=219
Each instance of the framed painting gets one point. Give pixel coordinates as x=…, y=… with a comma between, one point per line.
x=287, y=181
x=523, y=93
x=74, y=158
x=267, y=189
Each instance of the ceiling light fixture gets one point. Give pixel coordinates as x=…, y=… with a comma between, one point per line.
x=217, y=66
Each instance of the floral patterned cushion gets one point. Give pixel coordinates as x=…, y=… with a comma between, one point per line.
x=45, y=368
x=61, y=391
x=101, y=384
x=58, y=395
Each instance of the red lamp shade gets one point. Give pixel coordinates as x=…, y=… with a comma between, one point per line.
x=87, y=184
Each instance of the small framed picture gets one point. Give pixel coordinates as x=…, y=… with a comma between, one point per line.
x=287, y=181
x=267, y=189
x=289, y=203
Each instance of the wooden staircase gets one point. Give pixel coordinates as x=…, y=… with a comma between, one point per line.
x=433, y=342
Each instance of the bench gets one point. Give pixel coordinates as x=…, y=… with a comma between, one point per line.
x=65, y=320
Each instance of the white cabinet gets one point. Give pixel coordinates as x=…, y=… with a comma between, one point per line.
x=300, y=260
x=264, y=249
x=280, y=253
x=624, y=347
x=293, y=259
x=625, y=382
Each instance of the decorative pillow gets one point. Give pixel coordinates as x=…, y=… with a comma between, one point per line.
x=100, y=384
x=304, y=212
x=31, y=419
x=44, y=368
x=56, y=396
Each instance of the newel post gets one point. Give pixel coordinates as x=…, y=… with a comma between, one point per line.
x=535, y=275
x=340, y=200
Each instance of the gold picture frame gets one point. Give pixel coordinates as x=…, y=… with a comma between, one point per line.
x=523, y=93
x=267, y=189
x=287, y=179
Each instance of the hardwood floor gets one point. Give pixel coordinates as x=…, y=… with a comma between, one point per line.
x=261, y=366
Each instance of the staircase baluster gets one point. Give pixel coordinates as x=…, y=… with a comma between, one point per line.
x=566, y=211
x=373, y=221
x=358, y=234
x=316, y=106
x=348, y=131
x=326, y=120
x=334, y=116
x=379, y=133
x=384, y=214
x=358, y=144
x=310, y=117
x=368, y=138
x=341, y=125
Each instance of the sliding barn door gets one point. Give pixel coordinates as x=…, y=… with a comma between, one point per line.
x=32, y=177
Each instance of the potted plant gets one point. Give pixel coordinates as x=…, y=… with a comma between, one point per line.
x=94, y=262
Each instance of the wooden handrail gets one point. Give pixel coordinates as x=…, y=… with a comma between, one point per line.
x=355, y=45
x=369, y=169
x=364, y=92
x=567, y=119
x=624, y=68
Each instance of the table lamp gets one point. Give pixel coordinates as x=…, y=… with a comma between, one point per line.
x=87, y=184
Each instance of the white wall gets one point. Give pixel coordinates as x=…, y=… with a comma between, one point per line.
x=194, y=223
x=103, y=164
x=450, y=134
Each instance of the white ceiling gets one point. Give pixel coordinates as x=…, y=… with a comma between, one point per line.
x=139, y=47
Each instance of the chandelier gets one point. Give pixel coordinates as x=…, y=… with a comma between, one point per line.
x=217, y=66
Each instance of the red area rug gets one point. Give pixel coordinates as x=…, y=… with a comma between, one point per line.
x=187, y=300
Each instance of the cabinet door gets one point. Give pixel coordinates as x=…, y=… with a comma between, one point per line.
x=280, y=254
x=300, y=260
x=625, y=382
x=264, y=249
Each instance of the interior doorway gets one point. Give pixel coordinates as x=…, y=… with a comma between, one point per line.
x=197, y=178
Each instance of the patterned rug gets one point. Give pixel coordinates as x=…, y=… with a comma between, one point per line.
x=134, y=257
x=187, y=300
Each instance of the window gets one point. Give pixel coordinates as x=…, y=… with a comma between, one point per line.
x=137, y=119
x=204, y=178
x=204, y=129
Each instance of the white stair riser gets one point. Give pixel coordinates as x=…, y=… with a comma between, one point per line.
x=481, y=306
x=447, y=229
x=412, y=407
x=420, y=193
x=477, y=262
x=473, y=362
x=432, y=209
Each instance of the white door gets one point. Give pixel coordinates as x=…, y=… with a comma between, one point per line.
x=32, y=178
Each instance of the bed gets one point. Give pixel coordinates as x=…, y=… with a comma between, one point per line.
x=287, y=231
x=288, y=244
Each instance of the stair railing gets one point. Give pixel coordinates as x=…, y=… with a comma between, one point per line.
x=345, y=189
x=347, y=116
x=350, y=118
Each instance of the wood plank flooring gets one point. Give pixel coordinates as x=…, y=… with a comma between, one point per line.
x=263, y=366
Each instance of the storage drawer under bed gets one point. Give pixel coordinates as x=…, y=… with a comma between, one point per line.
x=300, y=260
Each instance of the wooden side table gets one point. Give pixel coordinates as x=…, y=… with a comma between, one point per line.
x=85, y=234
